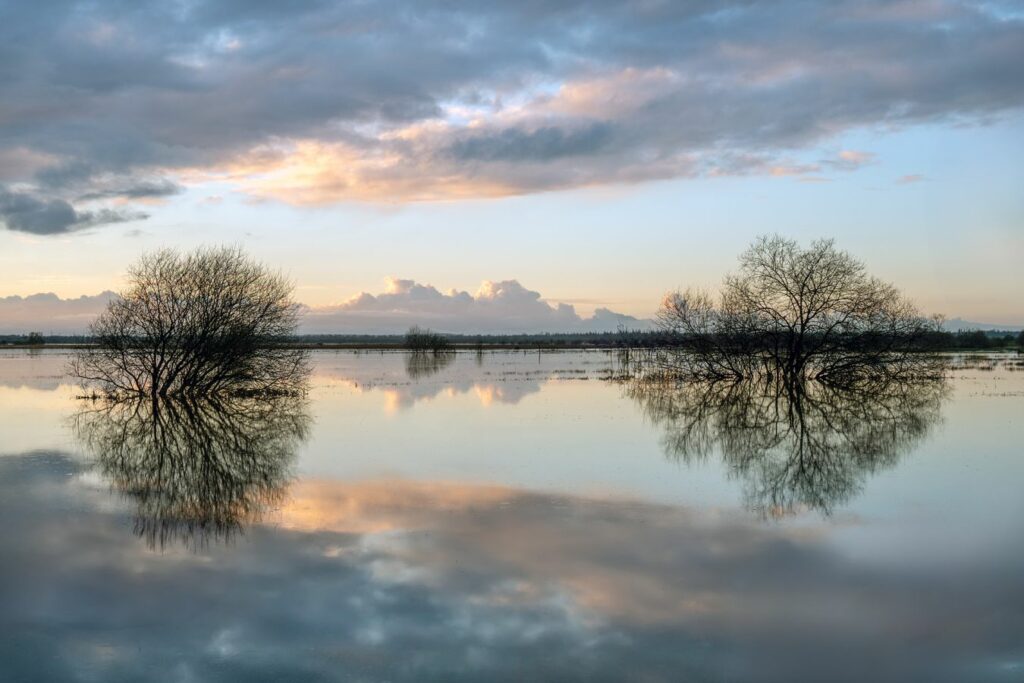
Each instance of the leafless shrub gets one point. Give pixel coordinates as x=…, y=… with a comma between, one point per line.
x=202, y=324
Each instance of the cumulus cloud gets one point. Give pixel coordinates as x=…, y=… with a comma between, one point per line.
x=496, y=307
x=441, y=100
x=48, y=313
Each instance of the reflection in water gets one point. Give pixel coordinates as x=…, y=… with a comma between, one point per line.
x=434, y=581
x=795, y=444
x=570, y=552
x=495, y=377
x=195, y=469
x=419, y=364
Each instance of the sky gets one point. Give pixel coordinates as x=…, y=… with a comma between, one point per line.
x=527, y=166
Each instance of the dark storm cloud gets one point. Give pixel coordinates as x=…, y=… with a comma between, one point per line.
x=428, y=99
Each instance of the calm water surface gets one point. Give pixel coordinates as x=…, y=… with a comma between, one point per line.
x=514, y=517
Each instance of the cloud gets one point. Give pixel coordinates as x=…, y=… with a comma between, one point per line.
x=542, y=144
x=497, y=307
x=439, y=100
x=24, y=212
x=731, y=164
x=50, y=314
x=910, y=179
x=403, y=380
x=141, y=189
x=850, y=160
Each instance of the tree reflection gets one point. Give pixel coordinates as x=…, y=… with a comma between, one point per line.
x=795, y=444
x=196, y=470
x=421, y=364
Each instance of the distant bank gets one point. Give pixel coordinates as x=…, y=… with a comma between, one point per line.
x=940, y=341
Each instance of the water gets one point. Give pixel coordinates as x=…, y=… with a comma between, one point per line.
x=514, y=516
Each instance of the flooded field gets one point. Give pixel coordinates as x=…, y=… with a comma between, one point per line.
x=514, y=516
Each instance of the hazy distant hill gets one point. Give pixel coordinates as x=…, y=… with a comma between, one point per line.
x=960, y=324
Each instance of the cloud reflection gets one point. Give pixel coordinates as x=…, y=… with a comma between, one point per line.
x=427, y=376
x=397, y=581
x=420, y=364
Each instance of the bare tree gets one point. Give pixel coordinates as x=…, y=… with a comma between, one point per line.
x=211, y=322
x=804, y=312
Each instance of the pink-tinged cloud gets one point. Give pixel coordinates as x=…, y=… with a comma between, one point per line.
x=49, y=314
x=439, y=101
x=850, y=160
x=745, y=164
x=496, y=307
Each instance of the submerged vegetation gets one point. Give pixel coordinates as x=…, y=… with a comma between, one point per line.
x=423, y=339
x=209, y=323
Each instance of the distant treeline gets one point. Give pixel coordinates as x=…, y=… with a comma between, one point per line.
x=38, y=339
x=976, y=339
x=938, y=341
x=546, y=340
